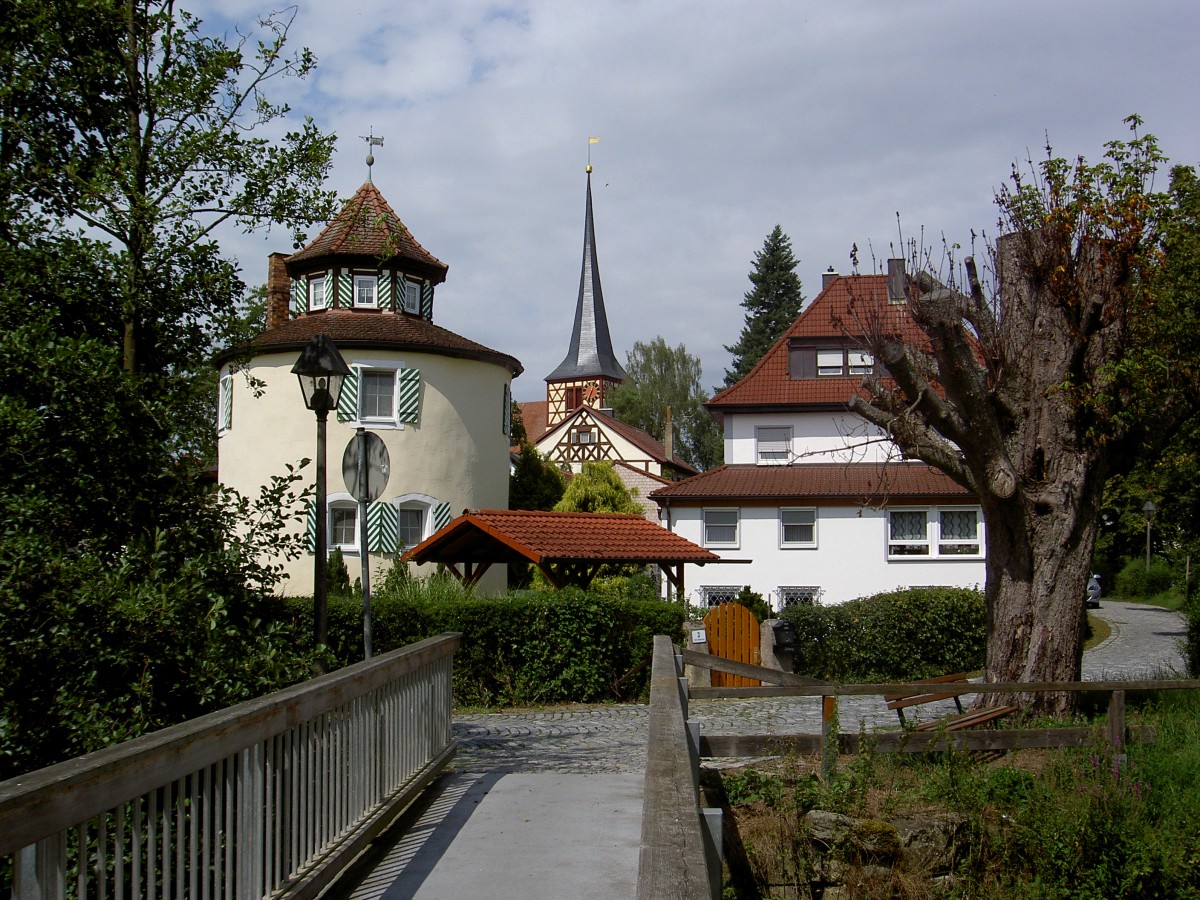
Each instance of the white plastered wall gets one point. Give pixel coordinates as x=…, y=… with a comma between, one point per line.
x=457, y=452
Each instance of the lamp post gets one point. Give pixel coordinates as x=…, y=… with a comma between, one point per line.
x=1148, y=510
x=321, y=372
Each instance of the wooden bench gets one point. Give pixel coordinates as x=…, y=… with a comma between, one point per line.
x=964, y=719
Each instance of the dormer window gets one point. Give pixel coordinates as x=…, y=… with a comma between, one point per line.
x=828, y=362
x=412, y=297
x=316, y=292
x=365, y=287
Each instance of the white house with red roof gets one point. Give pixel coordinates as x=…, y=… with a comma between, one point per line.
x=438, y=401
x=813, y=504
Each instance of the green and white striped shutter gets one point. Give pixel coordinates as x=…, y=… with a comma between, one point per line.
x=347, y=410
x=382, y=521
x=310, y=527
x=299, y=296
x=225, y=404
x=427, y=300
x=384, y=290
x=408, y=395
x=441, y=515
x=506, y=413
x=345, y=283
x=330, y=288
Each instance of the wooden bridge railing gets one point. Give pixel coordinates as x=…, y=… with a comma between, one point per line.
x=271, y=797
x=680, y=854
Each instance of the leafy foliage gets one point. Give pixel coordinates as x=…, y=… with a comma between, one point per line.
x=528, y=647
x=535, y=483
x=895, y=636
x=598, y=489
x=771, y=305
x=659, y=378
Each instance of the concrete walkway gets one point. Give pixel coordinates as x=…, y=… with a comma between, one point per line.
x=547, y=803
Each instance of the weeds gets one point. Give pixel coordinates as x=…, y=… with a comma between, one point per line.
x=1071, y=823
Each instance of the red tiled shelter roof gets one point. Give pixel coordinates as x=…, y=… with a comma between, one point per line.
x=832, y=482
x=368, y=228
x=568, y=546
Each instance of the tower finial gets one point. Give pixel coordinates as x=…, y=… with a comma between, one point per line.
x=591, y=140
x=372, y=141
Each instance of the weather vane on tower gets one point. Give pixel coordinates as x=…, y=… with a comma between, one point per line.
x=372, y=141
x=591, y=140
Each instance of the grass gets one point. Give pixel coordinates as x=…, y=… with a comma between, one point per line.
x=1076, y=822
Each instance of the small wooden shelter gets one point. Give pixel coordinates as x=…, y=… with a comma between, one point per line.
x=568, y=547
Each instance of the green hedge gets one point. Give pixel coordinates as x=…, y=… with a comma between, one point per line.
x=896, y=636
x=526, y=648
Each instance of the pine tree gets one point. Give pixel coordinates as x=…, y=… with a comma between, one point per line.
x=771, y=305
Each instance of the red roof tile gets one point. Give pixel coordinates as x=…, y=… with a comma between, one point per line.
x=502, y=535
x=369, y=328
x=850, y=306
x=849, y=482
x=368, y=227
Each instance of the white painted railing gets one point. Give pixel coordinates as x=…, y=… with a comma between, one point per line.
x=272, y=797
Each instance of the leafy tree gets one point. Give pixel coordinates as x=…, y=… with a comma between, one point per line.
x=597, y=488
x=517, y=435
x=660, y=377
x=535, y=483
x=771, y=305
x=1082, y=361
x=123, y=573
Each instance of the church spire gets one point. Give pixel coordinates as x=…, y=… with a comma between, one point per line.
x=590, y=357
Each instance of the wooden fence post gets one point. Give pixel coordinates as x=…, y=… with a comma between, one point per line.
x=1116, y=725
x=829, y=736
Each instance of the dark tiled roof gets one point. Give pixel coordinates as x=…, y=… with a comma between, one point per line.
x=501, y=535
x=848, y=482
x=535, y=414
x=369, y=328
x=591, y=353
x=844, y=310
x=367, y=227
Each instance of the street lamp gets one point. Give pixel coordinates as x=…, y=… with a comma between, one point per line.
x=321, y=372
x=1148, y=510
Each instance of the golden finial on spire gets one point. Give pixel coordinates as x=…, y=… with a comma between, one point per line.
x=591, y=140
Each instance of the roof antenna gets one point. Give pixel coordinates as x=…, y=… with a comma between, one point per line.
x=591, y=140
x=372, y=141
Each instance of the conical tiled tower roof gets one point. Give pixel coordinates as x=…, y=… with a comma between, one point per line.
x=368, y=227
x=591, y=354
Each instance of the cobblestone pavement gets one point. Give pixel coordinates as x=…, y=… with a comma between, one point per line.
x=612, y=738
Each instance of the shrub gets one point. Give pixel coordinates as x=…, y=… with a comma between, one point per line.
x=896, y=636
x=528, y=647
x=1135, y=581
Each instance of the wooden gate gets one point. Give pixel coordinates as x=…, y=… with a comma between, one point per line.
x=733, y=633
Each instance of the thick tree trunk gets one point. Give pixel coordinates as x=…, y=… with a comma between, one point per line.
x=1038, y=562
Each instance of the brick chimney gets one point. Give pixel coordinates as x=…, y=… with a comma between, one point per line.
x=827, y=277
x=279, y=290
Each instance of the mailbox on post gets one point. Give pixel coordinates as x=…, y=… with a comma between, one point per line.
x=785, y=635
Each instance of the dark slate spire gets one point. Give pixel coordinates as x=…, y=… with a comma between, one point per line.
x=591, y=354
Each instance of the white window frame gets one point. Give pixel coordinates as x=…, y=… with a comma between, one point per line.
x=791, y=595
x=932, y=542
x=772, y=445
x=413, y=501
x=859, y=362
x=390, y=417
x=784, y=543
x=316, y=297
x=945, y=545
x=825, y=367
x=412, y=296
x=341, y=502
x=705, y=524
x=715, y=594
x=373, y=281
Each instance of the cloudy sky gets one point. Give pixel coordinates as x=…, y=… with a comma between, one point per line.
x=717, y=121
